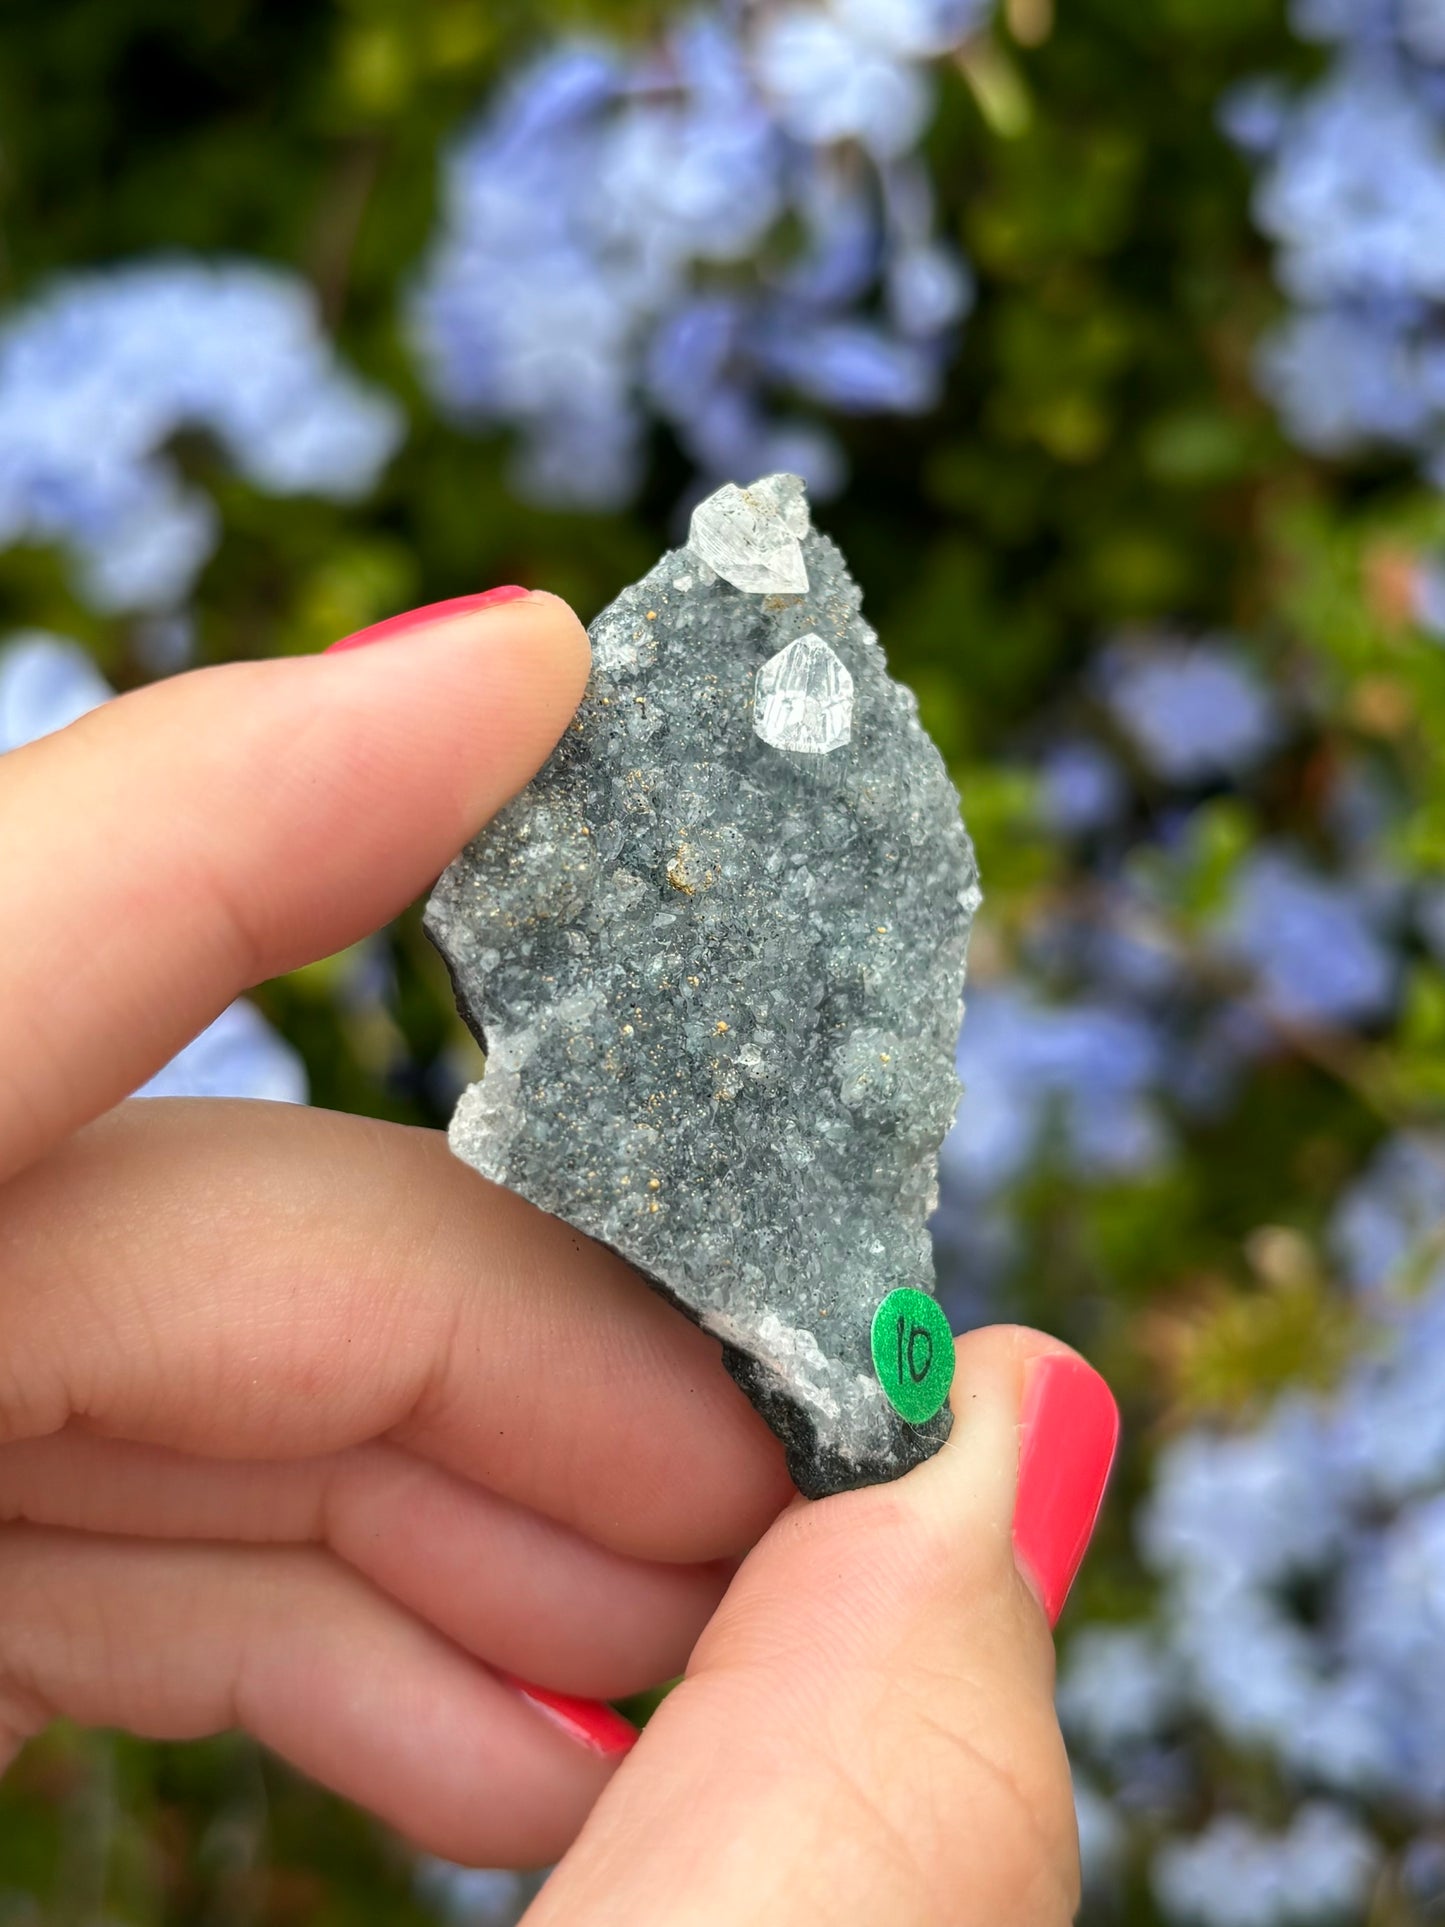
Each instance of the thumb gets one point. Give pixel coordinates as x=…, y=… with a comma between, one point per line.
x=866, y=1731
x=197, y=836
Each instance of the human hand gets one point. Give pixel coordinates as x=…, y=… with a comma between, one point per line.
x=301, y=1420
x=303, y=1426
x=866, y=1735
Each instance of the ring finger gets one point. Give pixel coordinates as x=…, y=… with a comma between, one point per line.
x=179, y=1641
x=518, y=1590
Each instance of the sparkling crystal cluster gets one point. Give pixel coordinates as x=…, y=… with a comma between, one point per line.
x=715, y=954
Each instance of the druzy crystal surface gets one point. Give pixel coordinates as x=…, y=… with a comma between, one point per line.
x=715, y=955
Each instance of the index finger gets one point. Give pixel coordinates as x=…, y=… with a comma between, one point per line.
x=189, y=840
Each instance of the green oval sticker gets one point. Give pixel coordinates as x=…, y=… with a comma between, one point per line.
x=913, y=1353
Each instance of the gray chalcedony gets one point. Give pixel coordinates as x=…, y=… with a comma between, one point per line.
x=715, y=955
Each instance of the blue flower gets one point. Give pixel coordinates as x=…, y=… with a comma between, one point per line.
x=1101, y=1836
x=1352, y=192
x=695, y=232
x=1355, y=195
x=1119, y=1686
x=1422, y=1876
x=1340, y=19
x=1343, y=381
x=851, y=366
x=1234, y=1874
x=928, y=289
x=1244, y=1510
x=1084, y=787
x=1194, y=711
x=828, y=84
x=1086, y=1069
x=474, y=1896
x=1428, y=597
x=101, y=371
x=45, y=684
x=1383, y=1222
x=239, y=1055
x=1430, y=915
x=1337, y=1500
x=1422, y=28
x=1255, y=114
x=912, y=29
x=1314, y=944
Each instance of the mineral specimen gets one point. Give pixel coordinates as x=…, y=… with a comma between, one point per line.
x=715, y=955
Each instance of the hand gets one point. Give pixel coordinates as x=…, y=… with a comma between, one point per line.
x=866, y=1736
x=307, y=1428
x=303, y=1426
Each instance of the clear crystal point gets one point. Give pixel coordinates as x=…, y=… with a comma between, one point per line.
x=753, y=536
x=804, y=699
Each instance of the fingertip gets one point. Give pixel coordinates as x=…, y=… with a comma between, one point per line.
x=429, y=615
x=537, y=660
x=463, y=699
x=1069, y=1436
x=557, y=633
x=589, y=1723
x=1001, y=1355
x=963, y=1498
x=510, y=622
x=275, y=812
x=1036, y=1431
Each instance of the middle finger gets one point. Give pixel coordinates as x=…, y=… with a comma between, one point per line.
x=527, y=1595
x=264, y=1281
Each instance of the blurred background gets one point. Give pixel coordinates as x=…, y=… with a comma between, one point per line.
x=1111, y=339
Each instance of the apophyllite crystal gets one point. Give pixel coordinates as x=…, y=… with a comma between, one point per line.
x=715, y=954
x=804, y=699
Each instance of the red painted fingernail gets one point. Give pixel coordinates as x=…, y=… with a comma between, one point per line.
x=1070, y=1434
x=591, y=1723
x=423, y=618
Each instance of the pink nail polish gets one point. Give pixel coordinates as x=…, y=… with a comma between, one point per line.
x=591, y=1723
x=424, y=617
x=1070, y=1432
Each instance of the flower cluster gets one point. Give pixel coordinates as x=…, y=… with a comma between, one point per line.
x=1299, y=1563
x=475, y=1896
x=1302, y=1610
x=1126, y=1010
x=47, y=683
x=100, y=373
x=731, y=231
x=1352, y=193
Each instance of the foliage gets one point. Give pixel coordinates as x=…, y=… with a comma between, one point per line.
x=1184, y=657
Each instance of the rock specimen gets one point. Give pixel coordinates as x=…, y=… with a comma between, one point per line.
x=715, y=955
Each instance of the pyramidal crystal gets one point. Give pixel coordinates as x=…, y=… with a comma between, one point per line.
x=715, y=955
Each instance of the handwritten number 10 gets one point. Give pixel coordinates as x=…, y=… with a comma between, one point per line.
x=908, y=1343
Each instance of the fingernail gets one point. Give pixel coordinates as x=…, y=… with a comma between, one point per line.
x=423, y=618
x=1070, y=1431
x=591, y=1723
